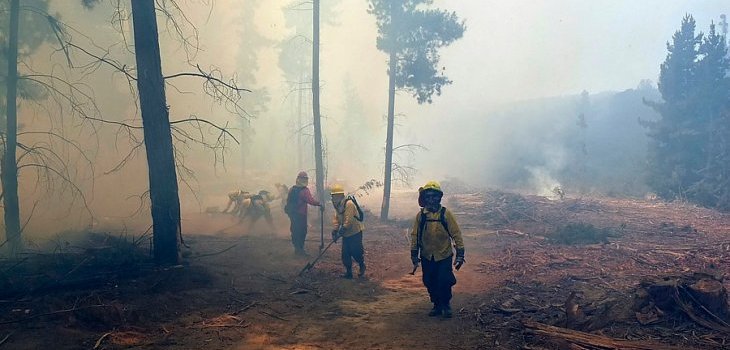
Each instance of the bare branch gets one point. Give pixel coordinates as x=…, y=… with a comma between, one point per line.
x=67, y=180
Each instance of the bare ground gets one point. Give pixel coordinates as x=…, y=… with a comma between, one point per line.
x=241, y=290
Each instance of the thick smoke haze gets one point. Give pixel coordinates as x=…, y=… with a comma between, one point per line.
x=508, y=120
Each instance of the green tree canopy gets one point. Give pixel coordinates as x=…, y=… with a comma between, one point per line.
x=416, y=34
x=688, y=151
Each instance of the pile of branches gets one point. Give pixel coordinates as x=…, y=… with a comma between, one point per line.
x=452, y=185
x=502, y=209
x=90, y=261
x=683, y=311
x=580, y=233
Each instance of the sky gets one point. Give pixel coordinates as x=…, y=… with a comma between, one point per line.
x=511, y=51
x=514, y=51
x=529, y=49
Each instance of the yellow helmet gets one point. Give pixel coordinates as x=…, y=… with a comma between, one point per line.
x=337, y=189
x=431, y=185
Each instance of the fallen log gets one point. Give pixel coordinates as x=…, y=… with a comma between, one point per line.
x=583, y=339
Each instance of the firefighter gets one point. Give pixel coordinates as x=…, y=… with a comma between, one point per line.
x=258, y=206
x=434, y=233
x=296, y=208
x=235, y=202
x=348, y=225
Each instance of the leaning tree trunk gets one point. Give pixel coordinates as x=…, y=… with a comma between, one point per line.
x=158, y=139
x=10, y=162
x=315, y=109
x=389, y=138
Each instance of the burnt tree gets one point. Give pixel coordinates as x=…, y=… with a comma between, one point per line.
x=165, y=202
x=10, y=163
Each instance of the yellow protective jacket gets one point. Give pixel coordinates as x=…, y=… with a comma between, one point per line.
x=436, y=240
x=347, y=217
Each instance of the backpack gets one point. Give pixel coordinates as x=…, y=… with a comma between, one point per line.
x=422, y=224
x=360, y=214
x=291, y=200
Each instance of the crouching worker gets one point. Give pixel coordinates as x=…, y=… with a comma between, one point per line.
x=434, y=231
x=258, y=206
x=348, y=225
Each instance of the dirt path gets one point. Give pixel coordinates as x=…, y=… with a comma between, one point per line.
x=386, y=310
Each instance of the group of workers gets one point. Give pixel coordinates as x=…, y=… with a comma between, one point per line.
x=434, y=236
x=244, y=205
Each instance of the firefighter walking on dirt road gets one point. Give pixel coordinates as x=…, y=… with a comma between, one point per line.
x=348, y=225
x=433, y=232
x=296, y=208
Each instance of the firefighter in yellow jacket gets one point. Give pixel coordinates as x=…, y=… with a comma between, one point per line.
x=434, y=232
x=348, y=225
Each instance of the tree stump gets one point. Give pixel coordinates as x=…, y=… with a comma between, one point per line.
x=700, y=297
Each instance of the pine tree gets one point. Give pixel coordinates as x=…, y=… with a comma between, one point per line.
x=712, y=100
x=674, y=148
x=689, y=149
x=411, y=35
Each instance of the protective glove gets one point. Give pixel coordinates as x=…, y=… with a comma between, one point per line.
x=414, y=257
x=335, y=236
x=459, y=259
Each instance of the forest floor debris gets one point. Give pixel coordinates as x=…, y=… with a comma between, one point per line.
x=654, y=279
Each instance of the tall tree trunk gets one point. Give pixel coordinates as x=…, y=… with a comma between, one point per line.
x=157, y=136
x=389, y=138
x=315, y=110
x=10, y=162
x=300, y=151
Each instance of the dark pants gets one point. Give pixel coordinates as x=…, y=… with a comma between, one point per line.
x=438, y=277
x=298, y=230
x=352, y=249
x=255, y=212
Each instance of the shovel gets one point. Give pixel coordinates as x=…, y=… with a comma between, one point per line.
x=310, y=265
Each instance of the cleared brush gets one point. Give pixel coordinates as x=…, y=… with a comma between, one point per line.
x=580, y=233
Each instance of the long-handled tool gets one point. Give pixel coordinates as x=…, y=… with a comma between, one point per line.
x=415, y=267
x=310, y=265
x=321, y=229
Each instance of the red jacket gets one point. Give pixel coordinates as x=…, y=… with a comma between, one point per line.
x=305, y=197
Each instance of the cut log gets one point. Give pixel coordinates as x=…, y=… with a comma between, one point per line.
x=589, y=340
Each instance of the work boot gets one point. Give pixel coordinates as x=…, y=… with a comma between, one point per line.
x=348, y=274
x=361, y=274
x=435, y=311
x=447, y=311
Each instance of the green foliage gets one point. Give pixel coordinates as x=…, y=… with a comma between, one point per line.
x=580, y=233
x=415, y=35
x=689, y=151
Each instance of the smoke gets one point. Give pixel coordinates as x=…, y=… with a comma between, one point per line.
x=494, y=126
